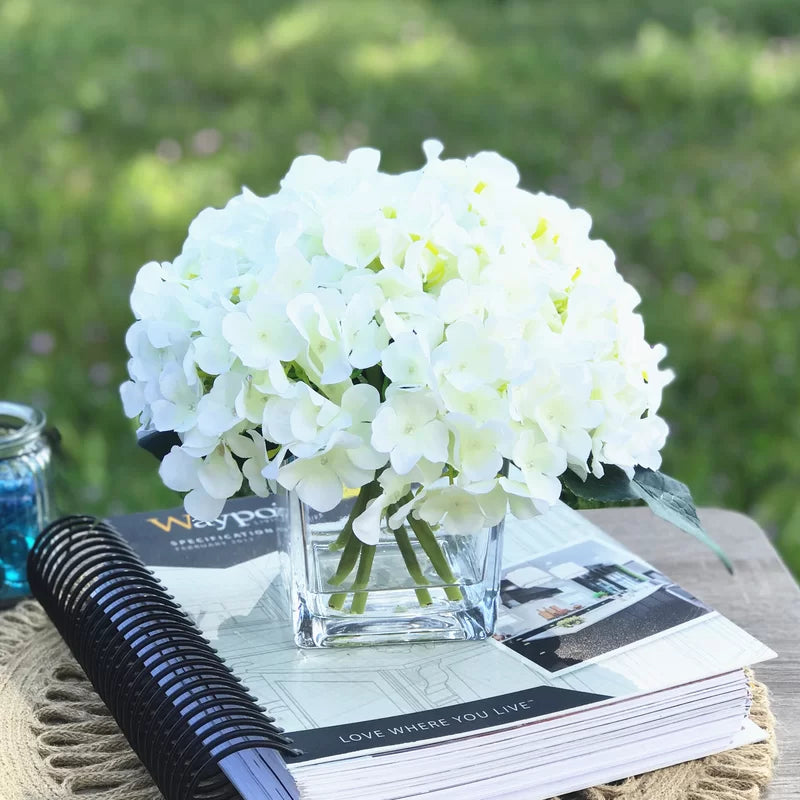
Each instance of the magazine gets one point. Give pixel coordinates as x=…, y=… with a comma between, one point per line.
x=583, y=624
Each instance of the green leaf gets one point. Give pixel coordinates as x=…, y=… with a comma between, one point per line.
x=671, y=500
x=613, y=487
x=668, y=498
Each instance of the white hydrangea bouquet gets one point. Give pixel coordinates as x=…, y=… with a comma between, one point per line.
x=452, y=345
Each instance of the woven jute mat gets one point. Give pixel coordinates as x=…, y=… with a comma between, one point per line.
x=58, y=741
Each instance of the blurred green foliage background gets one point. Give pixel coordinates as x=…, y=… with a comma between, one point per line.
x=676, y=126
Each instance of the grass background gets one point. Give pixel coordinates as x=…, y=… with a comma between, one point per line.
x=677, y=127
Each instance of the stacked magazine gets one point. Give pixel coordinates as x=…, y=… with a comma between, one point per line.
x=600, y=666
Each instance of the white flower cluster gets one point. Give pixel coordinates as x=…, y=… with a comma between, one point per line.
x=461, y=338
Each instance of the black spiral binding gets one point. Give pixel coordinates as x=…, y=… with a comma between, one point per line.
x=186, y=715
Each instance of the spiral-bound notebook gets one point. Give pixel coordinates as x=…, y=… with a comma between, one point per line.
x=601, y=667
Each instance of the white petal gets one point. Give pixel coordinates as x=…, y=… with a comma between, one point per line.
x=178, y=470
x=169, y=417
x=315, y=484
x=243, y=337
x=404, y=458
x=578, y=445
x=132, y=398
x=197, y=444
x=401, y=514
x=436, y=442
x=351, y=474
x=367, y=458
x=433, y=149
x=250, y=403
x=241, y=446
x=367, y=345
x=253, y=473
x=384, y=434
x=364, y=159
x=544, y=489
x=270, y=471
x=277, y=375
x=522, y=507
x=219, y=474
x=277, y=420
x=549, y=459
x=361, y=401
x=212, y=355
x=214, y=419
x=200, y=505
x=494, y=505
x=367, y=526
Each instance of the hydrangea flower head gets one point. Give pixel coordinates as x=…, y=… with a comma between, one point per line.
x=443, y=331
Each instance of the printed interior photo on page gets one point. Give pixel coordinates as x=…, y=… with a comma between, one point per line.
x=584, y=601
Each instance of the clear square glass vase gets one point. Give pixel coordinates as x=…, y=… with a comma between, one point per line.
x=422, y=586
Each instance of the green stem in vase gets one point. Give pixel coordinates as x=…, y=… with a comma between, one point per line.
x=347, y=561
x=351, y=544
x=344, y=536
x=437, y=557
x=364, y=496
x=412, y=565
x=355, y=552
x=359, y=604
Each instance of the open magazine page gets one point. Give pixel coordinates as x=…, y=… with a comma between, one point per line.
x=582, y=621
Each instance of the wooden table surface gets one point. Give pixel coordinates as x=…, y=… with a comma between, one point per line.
x=761, y=596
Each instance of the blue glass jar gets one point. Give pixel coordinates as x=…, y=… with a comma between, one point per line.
x=24, y=493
